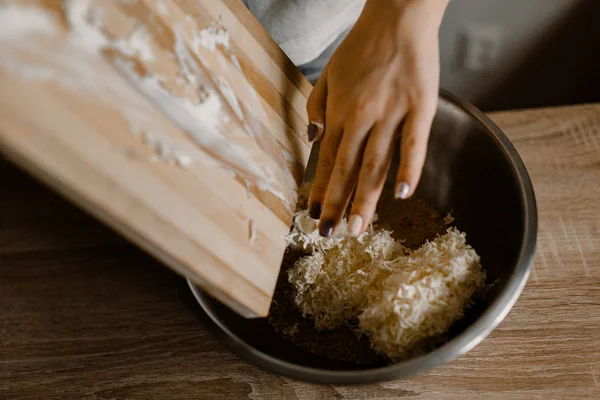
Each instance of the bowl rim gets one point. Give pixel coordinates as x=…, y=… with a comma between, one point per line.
x=450, y=350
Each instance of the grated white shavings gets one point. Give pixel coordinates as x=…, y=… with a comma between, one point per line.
x=427, y=292
x=305, y=235
x=448, y=219
x=400, y=297
x=331, y=283
x=291, y=330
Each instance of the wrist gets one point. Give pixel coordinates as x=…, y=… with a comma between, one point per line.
x=425, y=3
x=436, y=6
x=429, y=13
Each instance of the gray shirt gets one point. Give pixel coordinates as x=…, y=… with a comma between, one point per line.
x=308, y=31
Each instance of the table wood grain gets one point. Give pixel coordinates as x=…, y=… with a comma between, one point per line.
x=85, y=315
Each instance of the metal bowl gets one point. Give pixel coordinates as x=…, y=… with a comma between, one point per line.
x=472, y=169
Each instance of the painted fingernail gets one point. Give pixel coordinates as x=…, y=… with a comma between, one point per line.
x=315, y=210
x=315, y=131
x=326, y=228
x=312, y=132
x=402, y=190
x=355, y=224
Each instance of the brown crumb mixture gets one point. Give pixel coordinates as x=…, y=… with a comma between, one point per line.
x=413, y=221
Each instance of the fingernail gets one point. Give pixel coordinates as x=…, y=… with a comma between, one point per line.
x=355, y=224
x=312, y=132
x=315, y=131
x=326, y=228
x=315, y=210
x=402, y=190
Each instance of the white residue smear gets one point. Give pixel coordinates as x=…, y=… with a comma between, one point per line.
x=85, y=33
x=202, y=121
x=211, y=37
x=17, y=21
x=164, y=150
x=137, y=44
x=230, y=96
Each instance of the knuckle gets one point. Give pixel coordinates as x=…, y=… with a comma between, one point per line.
x=365, y=109
x=362, y=108
x=416, y=94
x=422, y=97
x=326, y=162
x=374, y=166
x=343, y=171
x=410, y=142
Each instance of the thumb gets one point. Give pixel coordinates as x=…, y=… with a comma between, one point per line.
x=315, y=107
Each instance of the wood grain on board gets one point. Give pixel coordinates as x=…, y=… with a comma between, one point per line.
x=88, y=123
x=85, y=315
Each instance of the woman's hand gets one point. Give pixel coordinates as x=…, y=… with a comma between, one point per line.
x=383, y=79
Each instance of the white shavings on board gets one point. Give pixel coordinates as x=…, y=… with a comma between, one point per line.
x=138, y=44
x=65, y=65
x=211, y=37
x=85, y=33
x=70, y=66
x=230, y=96
x=202, y=122
x=400, y=297
x=85, y=19
x=163, y=149
x=73, y=68
x=189, y=69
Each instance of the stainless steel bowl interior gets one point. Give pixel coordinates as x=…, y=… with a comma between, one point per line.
x=471, y=169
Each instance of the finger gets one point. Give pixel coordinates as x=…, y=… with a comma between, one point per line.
x=315, y=107
x=344, y=175
x=413, y=150
x=327, y=154
x=373, y=172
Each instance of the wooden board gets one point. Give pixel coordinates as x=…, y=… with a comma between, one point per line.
x=86, y=316
x=178, y=123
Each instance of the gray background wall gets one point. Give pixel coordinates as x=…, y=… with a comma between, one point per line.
x=503, y=54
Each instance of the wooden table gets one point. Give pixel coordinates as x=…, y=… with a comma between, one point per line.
x=84, y=315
